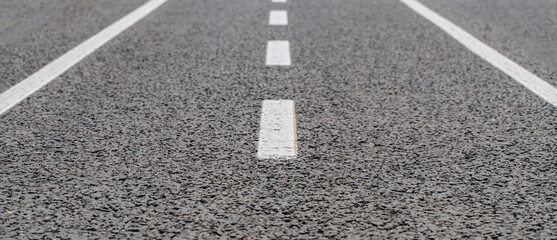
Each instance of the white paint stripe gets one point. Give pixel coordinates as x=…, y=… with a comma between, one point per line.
x=278, y=53
x=25, y=88
x=279, y=1
x=278, y=17
x=518, y=73
x=277, y=134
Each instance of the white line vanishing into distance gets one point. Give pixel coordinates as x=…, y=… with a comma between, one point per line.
x=278, y=17
x=25, y=88
x=279, y=1
x=277, y=133
x=278, y=53
x=518, y=73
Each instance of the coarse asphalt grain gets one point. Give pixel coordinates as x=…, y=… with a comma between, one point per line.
x=525, y=31
x=403, y=133
x=35, y=32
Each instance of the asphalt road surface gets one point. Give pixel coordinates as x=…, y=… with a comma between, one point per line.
x=402, y=131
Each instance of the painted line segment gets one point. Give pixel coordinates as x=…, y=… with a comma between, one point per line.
x=278, y=18
x=277, y=133
x=51, y=71
x=540, y=87
x=279, y=1
x=278, y=53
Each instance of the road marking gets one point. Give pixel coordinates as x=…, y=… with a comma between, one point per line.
x=278, y=53
x=277, y=133
x=278, y=17
x=279, y=1
x=518, y=73
x=31, y=84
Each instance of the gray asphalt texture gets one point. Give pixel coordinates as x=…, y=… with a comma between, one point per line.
x=35, y=32
x=525, y=31
x=403, y=133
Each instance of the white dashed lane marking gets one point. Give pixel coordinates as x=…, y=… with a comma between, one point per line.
x=518, y=73
x=278, y=17
x=278, y=53
x=277, y=133
x=279, y=1
x=31, y=84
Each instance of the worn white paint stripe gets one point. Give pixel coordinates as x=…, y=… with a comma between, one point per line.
x=278, y=53
x=278, y=17
x=25, y=88
x=279, y=1
x=518, y=73
x=277, y=133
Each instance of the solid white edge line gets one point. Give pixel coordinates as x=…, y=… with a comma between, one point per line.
x=36, y=81
x=278, y=18
x=278, y=53
x=277, y=133
x=518, y=73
